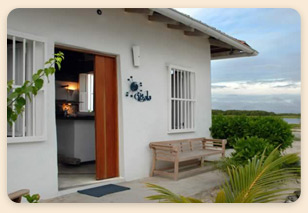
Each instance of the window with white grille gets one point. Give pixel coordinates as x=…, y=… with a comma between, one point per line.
x=182, y=99
x=25, y=55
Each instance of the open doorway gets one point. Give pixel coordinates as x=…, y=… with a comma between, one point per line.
x=75, y=119
x=86, y=118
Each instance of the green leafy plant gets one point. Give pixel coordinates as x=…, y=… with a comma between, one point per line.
x=273, y=129
x=246, y=148
x=16, y=99
x=229, y=127
x=32, y=199
x=261, y=180
x=166, y=196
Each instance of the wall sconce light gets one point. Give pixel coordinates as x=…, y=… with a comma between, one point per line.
x=70, y=89
x=136, y=56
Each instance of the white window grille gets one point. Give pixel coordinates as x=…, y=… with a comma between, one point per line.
x=182, y=84
x=25, y=55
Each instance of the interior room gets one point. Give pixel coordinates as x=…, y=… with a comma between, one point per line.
x=75, y=119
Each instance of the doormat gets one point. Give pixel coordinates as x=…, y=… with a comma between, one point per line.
x=103, y=190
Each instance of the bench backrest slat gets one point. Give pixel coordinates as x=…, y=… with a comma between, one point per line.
x=192, y=144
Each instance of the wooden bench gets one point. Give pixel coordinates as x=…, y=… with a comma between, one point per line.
x=17, y=196
x=184, y=150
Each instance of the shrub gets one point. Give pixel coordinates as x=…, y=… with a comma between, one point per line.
x=247, y=148
x=274, y=129
x=229, y=127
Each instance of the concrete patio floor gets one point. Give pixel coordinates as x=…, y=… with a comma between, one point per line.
x=70, y=176
x=204, y=179
x=199, y=182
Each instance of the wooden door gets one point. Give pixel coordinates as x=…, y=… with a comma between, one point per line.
x=106, y=117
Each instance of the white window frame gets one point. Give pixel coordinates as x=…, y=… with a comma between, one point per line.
x=86, y=92
x=24, y=138
x=191, y=127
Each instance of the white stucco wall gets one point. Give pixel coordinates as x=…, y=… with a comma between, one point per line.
x=34, y=165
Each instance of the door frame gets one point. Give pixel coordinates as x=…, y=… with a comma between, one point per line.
x=119, y=95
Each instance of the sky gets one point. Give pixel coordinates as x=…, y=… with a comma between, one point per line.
x=270, y=81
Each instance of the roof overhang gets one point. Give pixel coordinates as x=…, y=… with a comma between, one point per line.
x=222, y=45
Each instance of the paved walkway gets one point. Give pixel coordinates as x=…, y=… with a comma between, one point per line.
x=189, y=186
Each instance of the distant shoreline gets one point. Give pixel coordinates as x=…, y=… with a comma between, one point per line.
x=255, y=113
x=285, y=116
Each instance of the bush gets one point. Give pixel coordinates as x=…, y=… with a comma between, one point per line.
x=274, y=129
x=229, y=127
x=247, y=148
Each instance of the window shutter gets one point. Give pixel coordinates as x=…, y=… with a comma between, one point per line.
x=83, y=79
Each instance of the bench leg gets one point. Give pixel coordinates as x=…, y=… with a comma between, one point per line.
x=224, y=142
x=201, y=162
x=176, y=170
x=223, y=154
x=153, y=164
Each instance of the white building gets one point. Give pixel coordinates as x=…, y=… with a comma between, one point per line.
x=168, y=52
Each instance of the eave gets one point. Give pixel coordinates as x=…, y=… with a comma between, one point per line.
x=222, y=45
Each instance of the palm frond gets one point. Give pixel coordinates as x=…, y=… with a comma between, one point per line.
x=260, y=180
x=166, y=196
x=221, y=197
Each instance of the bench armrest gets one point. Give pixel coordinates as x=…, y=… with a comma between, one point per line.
x=165, y=147
x=217, y=142
x=16, y=196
